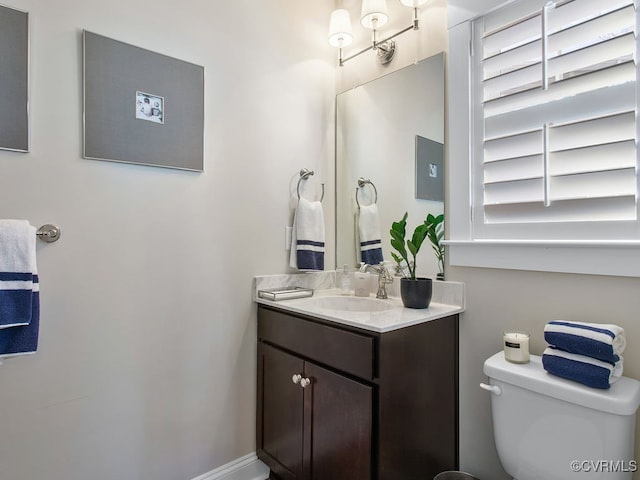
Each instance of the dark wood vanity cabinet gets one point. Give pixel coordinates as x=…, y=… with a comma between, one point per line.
x=336, y=402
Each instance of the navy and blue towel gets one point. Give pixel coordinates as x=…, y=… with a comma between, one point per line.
x=369, y=241
x=580, y=368
x=19, y=289
x=588, y=353
x=602, y=341
x=307, y=239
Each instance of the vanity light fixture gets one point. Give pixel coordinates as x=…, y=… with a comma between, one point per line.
x=374, y=14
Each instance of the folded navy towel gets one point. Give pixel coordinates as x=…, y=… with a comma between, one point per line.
x=580, y=368
x=602, y=341
x=23, y=340
x=370, y=243
x=307, y=238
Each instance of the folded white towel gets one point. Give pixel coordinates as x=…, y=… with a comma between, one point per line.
x=598, y=340
x=369, y=241
x=17, y=272
x=581, y=368
x=307, y=239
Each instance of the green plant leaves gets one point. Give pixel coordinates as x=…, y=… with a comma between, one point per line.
x=435, y=233
x=398, y=232
x=432, y=228
x=419, y=234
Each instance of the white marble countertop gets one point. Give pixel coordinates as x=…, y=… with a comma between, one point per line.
x=447, y=299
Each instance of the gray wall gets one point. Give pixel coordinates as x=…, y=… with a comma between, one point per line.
x=146, y=366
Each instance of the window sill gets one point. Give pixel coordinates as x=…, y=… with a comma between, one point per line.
x=582, y=257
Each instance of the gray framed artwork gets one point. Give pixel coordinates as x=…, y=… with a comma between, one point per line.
x=429, y=169
x=140, y=106
x=14, y=80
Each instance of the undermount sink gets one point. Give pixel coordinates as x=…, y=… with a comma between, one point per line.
x=349, y=304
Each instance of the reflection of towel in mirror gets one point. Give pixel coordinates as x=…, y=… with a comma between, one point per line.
x=580, y=368
x=19, y=288
x=307, y=238
x=598, y=340
x=369, y=241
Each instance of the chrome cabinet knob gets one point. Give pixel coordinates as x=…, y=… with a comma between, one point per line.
x=305, y=382
x=296, y=378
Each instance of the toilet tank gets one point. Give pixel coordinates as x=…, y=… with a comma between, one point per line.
x=549, y=428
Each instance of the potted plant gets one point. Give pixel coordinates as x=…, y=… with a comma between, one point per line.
x=415, y=291
x=435, y=233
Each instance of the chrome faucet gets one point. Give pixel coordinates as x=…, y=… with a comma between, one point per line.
x=384, y=277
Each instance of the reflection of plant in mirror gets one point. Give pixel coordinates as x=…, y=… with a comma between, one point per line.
x=398, y=232
x=435, y=232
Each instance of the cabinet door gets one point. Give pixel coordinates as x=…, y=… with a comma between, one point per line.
x=280, y=412
x=338, y=418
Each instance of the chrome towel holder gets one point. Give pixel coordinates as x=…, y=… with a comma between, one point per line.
x=363, y=182
x=49, y=233
x=305, y=173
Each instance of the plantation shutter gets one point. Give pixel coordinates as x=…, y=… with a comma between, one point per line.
x=556, y=113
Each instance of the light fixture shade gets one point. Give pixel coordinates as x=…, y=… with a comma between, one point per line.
x=374, y=13
x=413, y=3
x=340, y=28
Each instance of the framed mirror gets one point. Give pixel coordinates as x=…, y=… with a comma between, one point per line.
x=389, y=132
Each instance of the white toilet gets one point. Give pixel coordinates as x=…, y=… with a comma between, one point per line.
x=548, y=428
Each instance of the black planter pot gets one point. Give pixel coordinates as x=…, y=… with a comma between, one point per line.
x=416, y=293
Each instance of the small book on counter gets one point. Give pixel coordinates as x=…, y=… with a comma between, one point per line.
x=285, y=293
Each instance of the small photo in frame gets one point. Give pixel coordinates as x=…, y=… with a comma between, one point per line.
x=149, y=107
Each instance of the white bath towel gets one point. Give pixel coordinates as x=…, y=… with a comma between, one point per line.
x=369, y=238
x=307, y=239
x=18, y=272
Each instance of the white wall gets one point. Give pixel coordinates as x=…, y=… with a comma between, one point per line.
x=146, y=365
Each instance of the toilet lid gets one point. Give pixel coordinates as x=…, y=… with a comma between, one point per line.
x=623, y=398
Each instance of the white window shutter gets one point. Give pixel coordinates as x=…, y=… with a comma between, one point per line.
x=556, y=121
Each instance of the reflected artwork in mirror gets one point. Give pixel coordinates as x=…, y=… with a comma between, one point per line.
x=429, y=169
x=382, y=129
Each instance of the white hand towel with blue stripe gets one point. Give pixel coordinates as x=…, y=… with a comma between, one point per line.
x=370, y=242
x=17, y=269
x=580, y=368
x=19, y=288
x=605, y=342
x=307, y=238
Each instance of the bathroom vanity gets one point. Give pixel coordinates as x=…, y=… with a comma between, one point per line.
x=357, y=396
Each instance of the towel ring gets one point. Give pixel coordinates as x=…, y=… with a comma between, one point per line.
x=362, y=182
x=304, y=175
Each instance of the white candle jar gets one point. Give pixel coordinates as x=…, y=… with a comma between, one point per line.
x=516, y=347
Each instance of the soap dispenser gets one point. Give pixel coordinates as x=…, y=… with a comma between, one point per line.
x=345, y=281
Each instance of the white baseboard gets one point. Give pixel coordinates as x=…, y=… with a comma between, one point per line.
x=243, y=468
